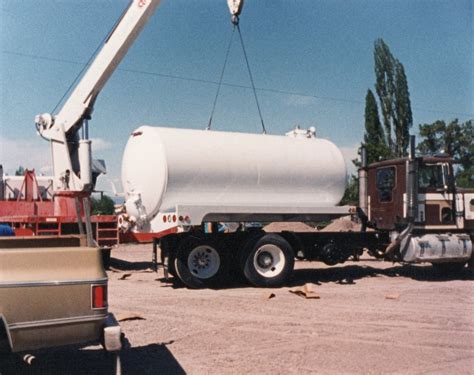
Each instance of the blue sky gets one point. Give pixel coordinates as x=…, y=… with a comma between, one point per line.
x=322, y=49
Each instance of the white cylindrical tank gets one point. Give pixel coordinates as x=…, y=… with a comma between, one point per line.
x=167, y=167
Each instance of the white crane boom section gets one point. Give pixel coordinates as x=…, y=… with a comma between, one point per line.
x=63, y=127
x=82, y=99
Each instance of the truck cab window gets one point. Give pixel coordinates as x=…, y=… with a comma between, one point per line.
x=385, y=183
x=430, y=176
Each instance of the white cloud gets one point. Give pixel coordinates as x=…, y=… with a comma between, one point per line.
x=350, y=153
x=28, y=153
x=99, y=144
x=46, y=170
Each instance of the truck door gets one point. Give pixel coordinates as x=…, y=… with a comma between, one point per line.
x=386, y=188
x=436, y=193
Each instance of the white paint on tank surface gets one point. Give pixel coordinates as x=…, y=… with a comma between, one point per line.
x=168, y=167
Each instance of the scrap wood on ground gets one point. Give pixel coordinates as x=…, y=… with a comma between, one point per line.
x=305, y=291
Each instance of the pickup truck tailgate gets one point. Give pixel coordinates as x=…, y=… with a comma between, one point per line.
x=51, y=296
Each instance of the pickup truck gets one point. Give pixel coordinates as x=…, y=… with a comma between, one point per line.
x=53, y=292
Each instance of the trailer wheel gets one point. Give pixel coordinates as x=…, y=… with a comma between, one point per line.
x=199, y=263
x=268, y=261
x=168, y=262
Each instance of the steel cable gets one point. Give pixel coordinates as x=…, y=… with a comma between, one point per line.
x=251, y=79
x=221, y=78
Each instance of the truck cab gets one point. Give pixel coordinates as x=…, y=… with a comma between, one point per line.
x=441, y=205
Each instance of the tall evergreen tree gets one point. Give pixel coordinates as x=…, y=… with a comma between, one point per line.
x=374, y=139
x=403, y=116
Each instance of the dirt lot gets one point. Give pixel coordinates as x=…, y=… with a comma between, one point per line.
x=426, y=327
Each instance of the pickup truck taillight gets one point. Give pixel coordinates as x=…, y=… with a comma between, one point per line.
x=99, y=296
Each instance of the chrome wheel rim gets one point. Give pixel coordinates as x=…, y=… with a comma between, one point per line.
x=269, y=260
x=204, y=262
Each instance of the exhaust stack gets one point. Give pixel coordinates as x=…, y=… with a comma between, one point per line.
x=412, y=183
x=363, y=181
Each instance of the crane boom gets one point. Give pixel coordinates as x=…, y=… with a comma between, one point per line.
x=71, y=155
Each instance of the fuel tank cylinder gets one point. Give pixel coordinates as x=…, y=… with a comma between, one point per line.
x=167, y=167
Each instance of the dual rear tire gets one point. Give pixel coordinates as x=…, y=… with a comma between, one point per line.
x=200, y=263
x=266, y=260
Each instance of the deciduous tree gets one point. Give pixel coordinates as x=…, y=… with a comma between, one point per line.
x=392, y=89
x=103, y=206
x=455, y=139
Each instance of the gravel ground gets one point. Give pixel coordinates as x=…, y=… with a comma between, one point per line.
x=425, y=326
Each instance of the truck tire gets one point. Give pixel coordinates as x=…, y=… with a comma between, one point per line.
x=106, y=253
x=268, y=261
x=172, y=265
x=169, y=263
x=4, y=342
x=200, y=263
x=448, y=268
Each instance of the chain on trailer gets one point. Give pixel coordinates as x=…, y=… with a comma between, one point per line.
x=235, y=8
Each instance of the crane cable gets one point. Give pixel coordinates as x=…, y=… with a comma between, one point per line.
x=220, y=79
x=235, y=21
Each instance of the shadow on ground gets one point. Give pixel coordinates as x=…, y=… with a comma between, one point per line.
x=351, y=273
x=347, y=273
x=123, y=265
x=150, y=359
x=344, y=275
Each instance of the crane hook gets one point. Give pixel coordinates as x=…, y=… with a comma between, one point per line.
x=235, y=7
x=235, y=20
